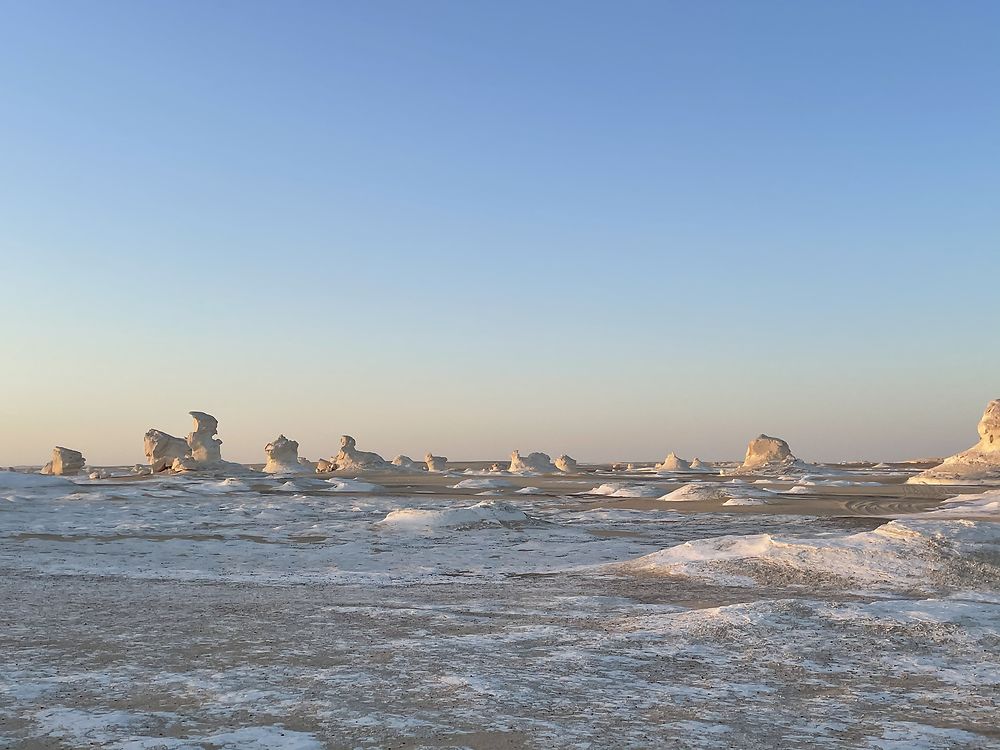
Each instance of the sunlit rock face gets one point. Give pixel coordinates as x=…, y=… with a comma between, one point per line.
x=435, y=463
x=697, y=463
x=566, y=464
x=205, y=448
x=162, y=449
x=533, y=462
x=979, y=464
x=351, y=459
x=673, y=462
x=283, y=457
x=323, y=466
x=764, y=451
x=404, y=462
x=65, y=461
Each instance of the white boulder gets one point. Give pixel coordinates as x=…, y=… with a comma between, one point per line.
x=435, y=463
x=980, y=464
x=161, y=449
x=566, y=464
x=351, y=459
x=283, y=457
x=65, y=461
x=533, y=462
x=766, y=452
x=323, y=466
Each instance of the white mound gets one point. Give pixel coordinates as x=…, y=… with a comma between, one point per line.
x=486, y=513
x=481, y=484
x=967, y=506
x=618, y=489
x=980, y=464
x=729, y=493
x=673, y=462
x=352, y=485
x=904, y=553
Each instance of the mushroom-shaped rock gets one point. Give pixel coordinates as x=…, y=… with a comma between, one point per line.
x=351, y=459
x=533, y=462
x=283, y=457
x=566, y=464
x=673, y=462
x=435, y=463
x=161, y=449
x=764, y=451
x=64, y=461
x=205, y=448
x=980, y=464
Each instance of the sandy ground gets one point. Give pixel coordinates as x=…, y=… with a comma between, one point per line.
x=221, y=625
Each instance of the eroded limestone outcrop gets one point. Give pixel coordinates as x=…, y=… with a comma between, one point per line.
x=283, y=457
x=980, y=464
x=65, y=461
x=539, y=463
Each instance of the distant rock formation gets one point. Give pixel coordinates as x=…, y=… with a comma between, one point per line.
x=673, y=463
x=698, y=465
x=306, y=464
x=351, y=459
x=404, y=462
x=435, y=463
x=980, y=464
x=495, y=468
x=162, y=449
x=566, y=464
x=324, y=467
x=65, y=461
x=533, y=462
x=283, y=457
x=764, y=451
x=205, y=448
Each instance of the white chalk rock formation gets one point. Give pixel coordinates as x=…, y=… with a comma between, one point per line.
x=698, y=465
x=566, y=464
x=765, y=452
x=980, y=464
x=404, y=462
x=323, y=466
x=162, y=449
x=533, y=462
x=205, y=448
x=185, y=463
x=495, y=468
x=351, y=459
x=306, y=464
x=673, y=462
x=436, y=463
x=65, y=461
x=283, y=457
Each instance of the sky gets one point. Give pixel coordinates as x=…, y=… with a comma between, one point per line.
x=607, y=229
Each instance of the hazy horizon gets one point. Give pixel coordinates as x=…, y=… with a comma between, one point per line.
x=470, y=228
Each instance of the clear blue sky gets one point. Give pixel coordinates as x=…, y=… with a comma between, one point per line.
x=612, y=229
